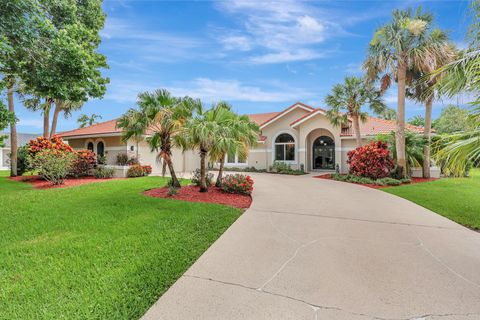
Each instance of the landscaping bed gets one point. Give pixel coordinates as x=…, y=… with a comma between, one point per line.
x=214, y=195
x=329, y=176
x=38, y=183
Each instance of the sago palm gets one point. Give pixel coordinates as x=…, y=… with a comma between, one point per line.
x=346, y=101
x=394, y=49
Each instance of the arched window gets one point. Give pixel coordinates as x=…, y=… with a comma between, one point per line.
x=90, y=146
x=284, y=148
x=100, y=149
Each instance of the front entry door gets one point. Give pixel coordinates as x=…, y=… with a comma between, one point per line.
x=324, y=153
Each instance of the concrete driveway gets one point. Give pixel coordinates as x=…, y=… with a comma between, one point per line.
x=319, y=249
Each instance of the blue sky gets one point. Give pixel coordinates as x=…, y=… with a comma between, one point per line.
x=260, y=56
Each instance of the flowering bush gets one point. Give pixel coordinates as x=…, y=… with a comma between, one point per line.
x=371, y=161
x=138, y=171
x=85, y=161
x=52, y=164
x=237, y=183
x=42, y=143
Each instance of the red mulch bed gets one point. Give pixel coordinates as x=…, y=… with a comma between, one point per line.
x=374, y=186
x=39, y=183
x=214, y=195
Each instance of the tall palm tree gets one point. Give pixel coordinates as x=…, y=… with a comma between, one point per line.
x=393, y=51
x=34, y=102
x=235, y=137
x=202, y=132
x=346, y=101
x=67, y=107
x=161, y=116
x=85, y=120
x=388, y=114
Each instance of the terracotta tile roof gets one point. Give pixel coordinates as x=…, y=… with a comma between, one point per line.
x=260, y=118
x=375, y=126
x=307, y=115
x=99, y=128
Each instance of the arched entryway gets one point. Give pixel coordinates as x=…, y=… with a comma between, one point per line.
x=323, y=151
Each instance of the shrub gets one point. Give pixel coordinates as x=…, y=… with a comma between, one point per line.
x=42, y=143
x=101, y=159
x=388, y=181
x=196, y=178
x=133, y=161
x=237, y=183
x=53, y=165
x=122, y=159
x=371, y=161
x=22, y=160
x=85, y=160
x=406, y=180
x=285, y=168
x=397, y=172
x=138, y=171
x=104, y=173
x=172, y=191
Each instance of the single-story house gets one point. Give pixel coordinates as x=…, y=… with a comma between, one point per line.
x=22, y=139
x=299, y=135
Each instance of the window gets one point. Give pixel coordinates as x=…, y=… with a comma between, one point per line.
x=235, y=159
x=90, y=146
x=100, y=149
x=284, y=148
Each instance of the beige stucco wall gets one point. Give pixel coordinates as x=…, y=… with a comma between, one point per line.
x=113, y=146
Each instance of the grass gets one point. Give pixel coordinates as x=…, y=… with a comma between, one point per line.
x=98, y=251
x=455, y=198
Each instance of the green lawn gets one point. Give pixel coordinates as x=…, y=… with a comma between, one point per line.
x=455, y=198
x=98, y=251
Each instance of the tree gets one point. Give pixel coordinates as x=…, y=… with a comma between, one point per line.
x=163, y=117
x=452, y=119
x=6, y=118
x=235, y=137
x=36, y=103
x=202, y=131
x=417, y=120
x=395, y=48
x=388, y=114
x=346, y=101
x=85, y=120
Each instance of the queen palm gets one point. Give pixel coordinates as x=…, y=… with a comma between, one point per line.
x=346, y=101
x=394, y=49
x=86, y=120
x=162, y=116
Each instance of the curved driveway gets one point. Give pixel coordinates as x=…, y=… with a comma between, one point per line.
x=319, y=249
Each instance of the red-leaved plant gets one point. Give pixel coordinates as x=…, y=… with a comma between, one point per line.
x=42, y=143
x=83, y=163
x=138, y=171
x=237, y=183
x=371, y=161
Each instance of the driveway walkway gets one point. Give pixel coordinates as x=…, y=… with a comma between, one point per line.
x=318, y=249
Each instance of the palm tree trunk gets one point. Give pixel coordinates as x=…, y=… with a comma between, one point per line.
x=167, y=158
x=46, y=119
x=220, y=172
x=164, y=168
x=427, y=134
x=203, y=171
x=13, y=132
x=356, y=127
x=58, y=108
x=400, y=133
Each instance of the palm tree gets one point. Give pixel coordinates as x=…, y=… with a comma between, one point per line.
x=235, y=137
x=36, y=103
x=85, y=120
x=346, y=101
x=394, y=49
x=388, y=114
x=133, y=123
x=203, y=131
x=161, y=116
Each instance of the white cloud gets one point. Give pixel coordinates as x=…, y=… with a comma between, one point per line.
x=236, y=42
x=209, y=90
x=287, y=56
x=354, y=68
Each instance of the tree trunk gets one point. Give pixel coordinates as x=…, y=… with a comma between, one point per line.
x=46, y=119
x=356, y=128
x=167, y=158
x=13, y=132
x=427, y=133
x=220, y=172
x=203, y=171
x=164, y=168
x=58, y=108
x=400, y=133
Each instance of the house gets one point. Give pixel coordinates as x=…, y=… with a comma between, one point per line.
x=22, y=139
x=299, y=135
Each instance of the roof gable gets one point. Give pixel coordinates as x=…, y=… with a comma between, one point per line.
x=286, y=111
